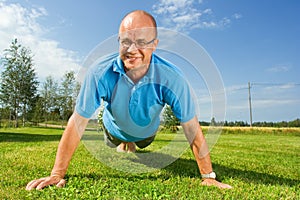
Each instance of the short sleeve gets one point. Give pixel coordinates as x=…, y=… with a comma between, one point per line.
x=181, y=101
x=95, y=86
x=89, y=99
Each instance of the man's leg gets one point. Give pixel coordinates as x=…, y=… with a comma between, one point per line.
x=146, y=142
x=122, y=146
x=113, y=142
x=110, y=140
x=131, y=147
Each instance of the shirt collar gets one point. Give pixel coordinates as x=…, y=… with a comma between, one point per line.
x=150, y=73
x=118, y=67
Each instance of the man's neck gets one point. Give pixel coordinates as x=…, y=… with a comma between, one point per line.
x=136, y=74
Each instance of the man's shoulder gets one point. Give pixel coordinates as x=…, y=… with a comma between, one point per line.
x=165, y=66
x=104, y=63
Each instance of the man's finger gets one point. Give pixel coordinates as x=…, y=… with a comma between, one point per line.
x=61, y=183
x=212, y=182
x=48, y=181
x=44, y=182
x=34, y=183
x=227, y=186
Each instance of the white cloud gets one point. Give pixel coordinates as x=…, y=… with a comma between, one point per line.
x=186, y=15
x=22, y=23
x=264, y=103
x=279, y=68
x=235, y=88
x=280, y=87
x=236, y=16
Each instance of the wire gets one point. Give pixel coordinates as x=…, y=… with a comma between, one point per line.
x=276, y=84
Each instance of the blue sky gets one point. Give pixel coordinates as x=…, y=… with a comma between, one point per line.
x=249, y=41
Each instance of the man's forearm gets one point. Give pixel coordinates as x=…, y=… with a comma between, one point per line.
x=68, y=144
x=65, y=151
x=201, y=153
x=198, y=145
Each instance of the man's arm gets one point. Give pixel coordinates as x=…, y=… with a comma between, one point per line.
x=200, y=150
x=66, y=148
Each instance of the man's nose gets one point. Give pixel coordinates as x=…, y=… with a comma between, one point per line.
x=132, y=47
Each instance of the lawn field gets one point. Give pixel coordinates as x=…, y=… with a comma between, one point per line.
x=260, y=163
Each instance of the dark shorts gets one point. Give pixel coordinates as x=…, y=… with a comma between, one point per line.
x=113, y=142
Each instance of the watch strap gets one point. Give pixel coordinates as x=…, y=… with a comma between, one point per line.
x=211, y=175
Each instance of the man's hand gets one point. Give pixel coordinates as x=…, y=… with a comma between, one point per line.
x=213, y=182
x=46, y=181
x=66, y=148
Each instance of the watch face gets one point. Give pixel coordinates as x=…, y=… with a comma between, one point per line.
x=212, y=175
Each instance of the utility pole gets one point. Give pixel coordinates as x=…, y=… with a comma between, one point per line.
x=250, y=107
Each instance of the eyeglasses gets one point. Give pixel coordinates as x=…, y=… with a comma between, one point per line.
x=140, y=44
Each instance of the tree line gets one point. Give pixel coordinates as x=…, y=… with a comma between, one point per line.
x=213, y=122
x=24, y=99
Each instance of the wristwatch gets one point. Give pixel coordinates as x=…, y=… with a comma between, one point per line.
x=211, y=175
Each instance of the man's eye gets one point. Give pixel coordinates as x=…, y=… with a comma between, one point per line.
x=141, y=43
x=126, y=42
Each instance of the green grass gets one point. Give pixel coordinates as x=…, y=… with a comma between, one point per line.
x=258, y=163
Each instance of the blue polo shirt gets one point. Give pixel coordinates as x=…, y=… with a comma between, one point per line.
x=132, y=110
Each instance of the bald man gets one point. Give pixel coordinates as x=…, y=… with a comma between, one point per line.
x=135, y=85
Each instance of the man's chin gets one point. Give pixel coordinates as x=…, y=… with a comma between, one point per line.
x=137, y=66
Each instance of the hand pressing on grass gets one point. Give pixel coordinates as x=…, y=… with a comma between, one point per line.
x=46, y=181
x=214, y=182
x=195, y=136
x=66, y=148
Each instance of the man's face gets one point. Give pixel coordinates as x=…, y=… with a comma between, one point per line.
x=136, y=47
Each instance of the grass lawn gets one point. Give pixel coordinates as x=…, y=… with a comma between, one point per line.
x=258, y=163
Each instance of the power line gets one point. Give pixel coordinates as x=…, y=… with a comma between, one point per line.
x=276, y=84
x=263, y=84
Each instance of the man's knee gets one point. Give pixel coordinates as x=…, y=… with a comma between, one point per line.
x=146, y=142
x=110, y=140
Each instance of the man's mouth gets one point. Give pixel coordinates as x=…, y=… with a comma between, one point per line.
x=132, y=58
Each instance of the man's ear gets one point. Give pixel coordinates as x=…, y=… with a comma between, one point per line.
x=155, y=43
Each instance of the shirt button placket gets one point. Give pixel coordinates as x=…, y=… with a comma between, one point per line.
x=134, y=96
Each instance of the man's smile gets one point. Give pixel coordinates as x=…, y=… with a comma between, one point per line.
x=132, y=58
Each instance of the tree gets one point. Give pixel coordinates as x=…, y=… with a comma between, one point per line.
x=213, y=121
x=67, y=94
x=18, y=86
x=294, y=123
x=38, y=111
x=100, y=118
x=49, y=99
x=170, y=120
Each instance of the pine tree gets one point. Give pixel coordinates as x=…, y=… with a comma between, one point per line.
x=49, y=99
x=18, y=86
x=67, y=94
x=170, y=120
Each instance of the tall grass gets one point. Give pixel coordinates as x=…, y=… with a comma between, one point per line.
x=258, y=163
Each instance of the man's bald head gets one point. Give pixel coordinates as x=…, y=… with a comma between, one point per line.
x=138, y=19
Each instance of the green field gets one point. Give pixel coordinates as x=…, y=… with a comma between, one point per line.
x=258, y=163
